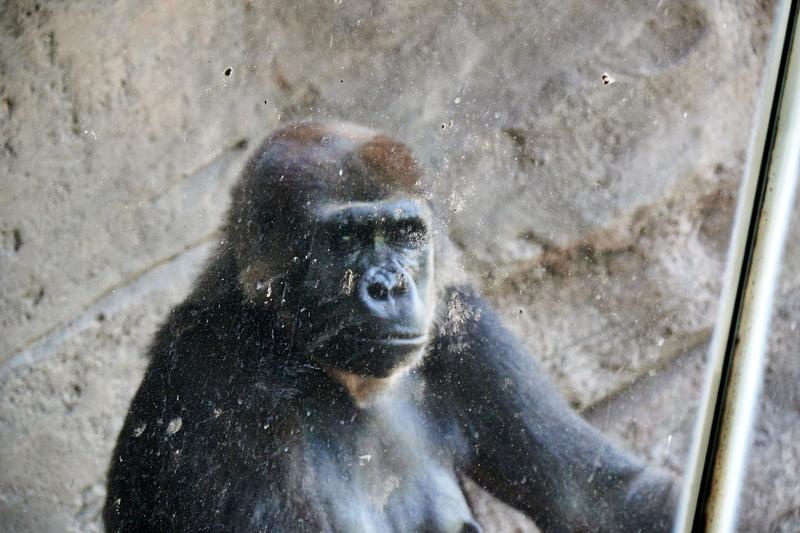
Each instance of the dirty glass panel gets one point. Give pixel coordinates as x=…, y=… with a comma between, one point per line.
x=569, y=171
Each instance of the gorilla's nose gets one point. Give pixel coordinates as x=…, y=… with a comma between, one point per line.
x=386, y=293
x=381, y=289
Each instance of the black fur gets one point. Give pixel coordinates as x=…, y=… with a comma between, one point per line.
x=237, y=427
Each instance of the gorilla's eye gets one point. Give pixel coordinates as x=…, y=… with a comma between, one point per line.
x=345, y=240
x=410, y=232
x=346, y=236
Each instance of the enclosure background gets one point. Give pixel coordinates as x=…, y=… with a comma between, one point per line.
x=586, y=159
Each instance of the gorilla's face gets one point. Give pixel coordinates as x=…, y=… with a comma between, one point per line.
x=368, y=293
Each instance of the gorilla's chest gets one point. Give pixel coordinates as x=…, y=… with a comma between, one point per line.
x=385, y=471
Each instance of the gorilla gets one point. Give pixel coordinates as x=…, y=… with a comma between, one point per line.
x=322, y=377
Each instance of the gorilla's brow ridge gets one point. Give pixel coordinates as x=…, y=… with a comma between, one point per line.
x=389, y=210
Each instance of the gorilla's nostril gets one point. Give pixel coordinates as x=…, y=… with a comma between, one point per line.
x=378, y=291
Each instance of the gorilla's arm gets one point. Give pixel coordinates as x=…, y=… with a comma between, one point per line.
x=526, y=445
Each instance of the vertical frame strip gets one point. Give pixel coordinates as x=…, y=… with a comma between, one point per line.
x=717, y=464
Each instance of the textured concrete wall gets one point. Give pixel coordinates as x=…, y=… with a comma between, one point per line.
x=587, y=161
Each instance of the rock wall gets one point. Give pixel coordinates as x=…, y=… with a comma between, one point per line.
x=586, y=160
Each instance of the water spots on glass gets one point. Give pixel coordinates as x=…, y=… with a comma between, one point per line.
x=174, y=425
x=455, y=202
x=348, y=282
x=264, y=286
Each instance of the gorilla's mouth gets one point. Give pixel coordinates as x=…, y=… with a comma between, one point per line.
x=369, y=350
x=398, y=338
x=414, y=341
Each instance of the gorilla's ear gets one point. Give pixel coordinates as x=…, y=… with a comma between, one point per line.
x=261, y=241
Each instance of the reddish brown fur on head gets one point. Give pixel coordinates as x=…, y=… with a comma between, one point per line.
x=389, y=161
x=356, y=155
x=291, y=173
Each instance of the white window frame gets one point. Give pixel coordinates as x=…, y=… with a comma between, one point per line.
x=718, y=460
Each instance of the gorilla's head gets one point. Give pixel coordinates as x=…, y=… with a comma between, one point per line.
x=330, y=227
